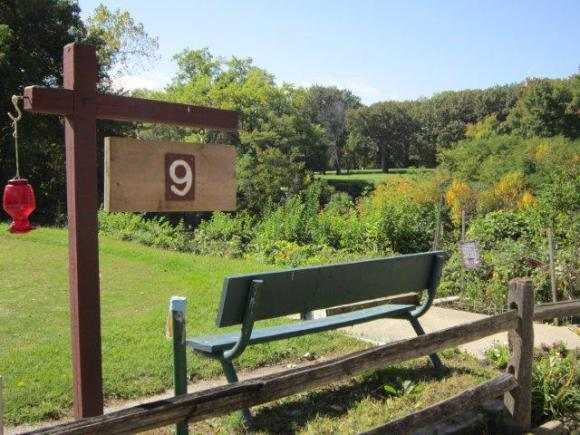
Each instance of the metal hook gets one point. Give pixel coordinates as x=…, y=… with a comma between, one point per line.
x=15, y=119
x=15, y=100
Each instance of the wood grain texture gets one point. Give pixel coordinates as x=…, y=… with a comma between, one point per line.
x=119, y=108
x=222, y=400
x=135, y=176
x=521, y=345
x=80, y=77
x=472, y=397
x=557, y=310
x=310, y=288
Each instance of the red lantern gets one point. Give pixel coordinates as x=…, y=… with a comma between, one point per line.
x=19, y=203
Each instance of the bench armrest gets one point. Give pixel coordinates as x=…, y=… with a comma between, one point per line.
x=438, y=263
x=248, y=322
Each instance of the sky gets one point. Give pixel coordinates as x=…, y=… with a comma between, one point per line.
x=381, y=50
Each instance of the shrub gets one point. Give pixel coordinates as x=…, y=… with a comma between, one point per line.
x=157, y=232
x=339, y=226
x=394, y=223
x=224, y=234
x=555, y=383
x=269, y=177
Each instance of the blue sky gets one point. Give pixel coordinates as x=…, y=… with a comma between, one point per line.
x=378, y=49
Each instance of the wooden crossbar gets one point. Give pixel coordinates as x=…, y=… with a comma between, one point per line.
x=59, y=101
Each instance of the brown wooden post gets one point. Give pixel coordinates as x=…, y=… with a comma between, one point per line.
x=79, y=102
x=521, y=344
x=80, y=75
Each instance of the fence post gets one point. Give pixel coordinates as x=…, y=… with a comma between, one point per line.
x=552, y=260
x=521, y=345
x=177, y=311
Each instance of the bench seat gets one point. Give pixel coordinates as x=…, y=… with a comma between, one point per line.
x=214, y=344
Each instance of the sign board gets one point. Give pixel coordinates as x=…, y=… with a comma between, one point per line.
x=470, y=254
x=168, y=176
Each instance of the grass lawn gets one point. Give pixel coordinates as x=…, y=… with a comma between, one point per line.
x=364, y=402
x=373, y=176
x=136, y=284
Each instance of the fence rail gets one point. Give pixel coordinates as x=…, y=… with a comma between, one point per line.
x=458, y=403
x=225, y=399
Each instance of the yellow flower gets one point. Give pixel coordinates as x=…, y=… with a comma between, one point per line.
x=527, y=200
x=459, y=197
x=508, y=190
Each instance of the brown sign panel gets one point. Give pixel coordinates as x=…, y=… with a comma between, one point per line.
x=179, y=177
x=168, y=176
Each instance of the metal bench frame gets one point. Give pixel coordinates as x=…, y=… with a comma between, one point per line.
x=226, y=356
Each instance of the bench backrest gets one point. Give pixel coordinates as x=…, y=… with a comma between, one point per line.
x=310, y=288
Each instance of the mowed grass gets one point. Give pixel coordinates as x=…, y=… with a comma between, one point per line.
x=136, y=284
x=363, y=402
x=373, y=176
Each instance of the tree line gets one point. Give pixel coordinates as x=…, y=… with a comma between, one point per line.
x=286, y=131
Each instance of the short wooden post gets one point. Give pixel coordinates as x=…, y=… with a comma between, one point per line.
x=177, y=311
x=552, y=260
x=463, y=225
x=521, y=345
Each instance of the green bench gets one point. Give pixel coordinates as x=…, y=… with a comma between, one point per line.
x=248, y=298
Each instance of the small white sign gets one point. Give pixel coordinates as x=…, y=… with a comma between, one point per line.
x=470, y=254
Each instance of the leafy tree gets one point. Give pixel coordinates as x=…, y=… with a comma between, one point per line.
x=267, y=178
x=545, y=109
x=32, y=35
x=485, y=128
x=122, y=44
x=29, y=56
x=390, y=127
x=272, y=116
x=444, y=117
x=328, y=107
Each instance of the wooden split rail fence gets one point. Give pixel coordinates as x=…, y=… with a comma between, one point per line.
x=514, y=385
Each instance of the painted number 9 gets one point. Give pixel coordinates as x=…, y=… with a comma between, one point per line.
x=179, y=176
x=186, y=180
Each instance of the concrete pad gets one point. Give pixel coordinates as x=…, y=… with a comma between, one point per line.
x=389, y=330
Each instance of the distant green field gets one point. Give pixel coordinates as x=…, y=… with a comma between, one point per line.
x=374, y=176
x=136, y=284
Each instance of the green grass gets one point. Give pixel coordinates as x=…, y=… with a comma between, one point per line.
x=373, y=176
x=136, y=284
x=364, y=402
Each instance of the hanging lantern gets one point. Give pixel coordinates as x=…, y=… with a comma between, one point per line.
x=18, y=199
x=19, y=202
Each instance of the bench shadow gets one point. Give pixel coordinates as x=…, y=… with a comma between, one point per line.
x=290, y=416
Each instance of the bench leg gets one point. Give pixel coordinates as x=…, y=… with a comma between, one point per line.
x=232, y=377
x=420, y=331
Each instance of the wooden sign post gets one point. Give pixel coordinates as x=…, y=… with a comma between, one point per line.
x=81, y=106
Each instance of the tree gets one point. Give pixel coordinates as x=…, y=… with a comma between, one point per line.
x=328, y=107
x=31, y=57
x=267, y=178
x=544, y=109
x=32, y=35
x=390, y=127
x=271, y=115
x=122, y=44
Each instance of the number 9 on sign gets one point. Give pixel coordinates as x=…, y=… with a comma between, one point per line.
x=179, y=177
